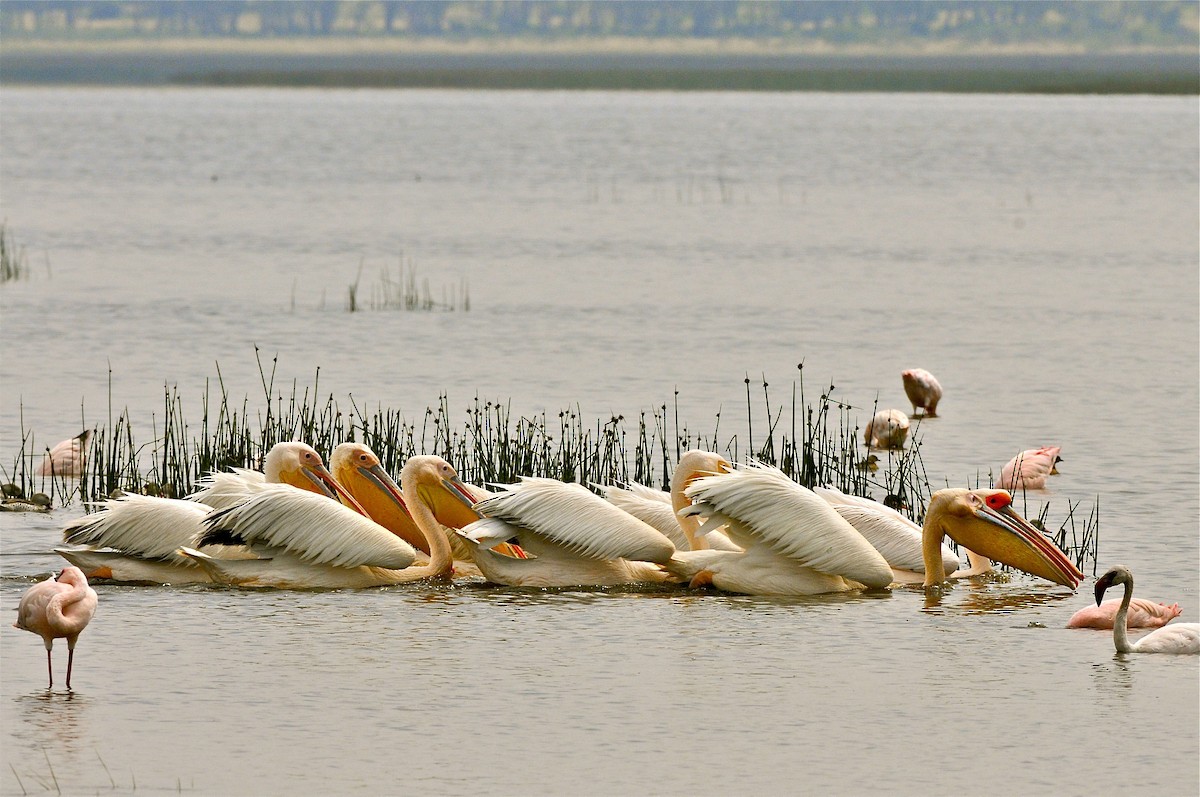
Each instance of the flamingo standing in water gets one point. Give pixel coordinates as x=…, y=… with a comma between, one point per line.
x=136, y=537
x=1029, y=469
x=1180, y=638
x=923, y=390
x=888, y=429
x=58, y=608
x=68, y=457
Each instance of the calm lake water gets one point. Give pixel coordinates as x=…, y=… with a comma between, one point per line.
x=1039, y=254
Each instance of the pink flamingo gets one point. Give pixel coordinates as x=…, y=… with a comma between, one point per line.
x=923, y=390
x=1029, y=469
x=1142, y=614
x=58, y=607
x=68, y=457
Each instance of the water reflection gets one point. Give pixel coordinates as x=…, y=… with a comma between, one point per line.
x=54, y=720
x=1114, y=678
x=987, y=599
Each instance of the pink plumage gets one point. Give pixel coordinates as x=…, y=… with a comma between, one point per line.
x=58, y=608
x=68, y=457
x=1029, y=469
x=923, y=390
x=1142, y=614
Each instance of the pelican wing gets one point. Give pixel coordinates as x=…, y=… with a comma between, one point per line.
x=140, y=525
x=763, y=505
x=579, y=520
x=652, y=507
x=896, y=537
x=223, y=490
x=313, y=527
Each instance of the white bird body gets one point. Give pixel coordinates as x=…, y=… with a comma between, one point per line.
x=306, y=542
x=794, y=542
x=1173, y=638
x=653, y=507
x=136, y=538
x=888, y=429
x=896, y=537
x=573, y=538
x=226, y=489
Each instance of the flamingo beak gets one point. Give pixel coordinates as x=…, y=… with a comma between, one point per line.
x=329, y=486
x=1024, y=547
x=1102, y=585
x=379, y=477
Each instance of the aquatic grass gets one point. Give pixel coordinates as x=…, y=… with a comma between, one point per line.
x=814, y=442
x=14, y=264
x=403, y=291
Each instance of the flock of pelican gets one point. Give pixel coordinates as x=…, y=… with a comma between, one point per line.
x=745, y=529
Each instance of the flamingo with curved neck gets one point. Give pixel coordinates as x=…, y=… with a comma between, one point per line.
x=1178, y=638
x=58, y=608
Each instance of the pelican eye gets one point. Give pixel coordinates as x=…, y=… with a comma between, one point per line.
x=999, y=500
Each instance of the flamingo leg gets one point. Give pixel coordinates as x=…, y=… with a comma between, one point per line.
x=49, y=668
x=70, y=661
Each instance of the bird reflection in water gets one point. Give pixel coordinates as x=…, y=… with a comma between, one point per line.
x=56, y=720
x=984, y=599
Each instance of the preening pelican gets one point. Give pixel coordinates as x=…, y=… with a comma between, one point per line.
x=984, y=522
x=69, y=457
x=923, y=390
x=59, y=607
x=888, y=429
x=657, y=508
x=1140, y=614
x=567, y=535
x=1029, y=469
x=1173, y=638
x=897, y=538
x=136, y=537
x=794, y=542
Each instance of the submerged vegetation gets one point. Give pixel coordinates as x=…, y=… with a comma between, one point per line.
x=815, y=441
x=402, y=291
x=13, y=263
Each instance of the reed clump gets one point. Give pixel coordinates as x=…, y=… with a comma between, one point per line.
x=403, y=290
x=14, y=264
x=814, y=441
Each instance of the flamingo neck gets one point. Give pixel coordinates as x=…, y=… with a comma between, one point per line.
x=1120, y=629
x=61, y=603
x=441, y=558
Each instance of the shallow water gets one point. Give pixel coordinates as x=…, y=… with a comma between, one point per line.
x=1037, y=253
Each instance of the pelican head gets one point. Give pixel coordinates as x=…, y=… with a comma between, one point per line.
x=357, y=469
x=984, y=521
x=299, y=465
x=436, y=482
x=697, y=463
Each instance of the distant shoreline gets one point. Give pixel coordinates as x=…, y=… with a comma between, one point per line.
x=619, y=64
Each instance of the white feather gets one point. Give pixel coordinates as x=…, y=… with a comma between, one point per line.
x=313, y=527
x=763, y=505
x=223, y=490
x=896, y=537
x=579, y=520
x=652, y=507
x=140, y=525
